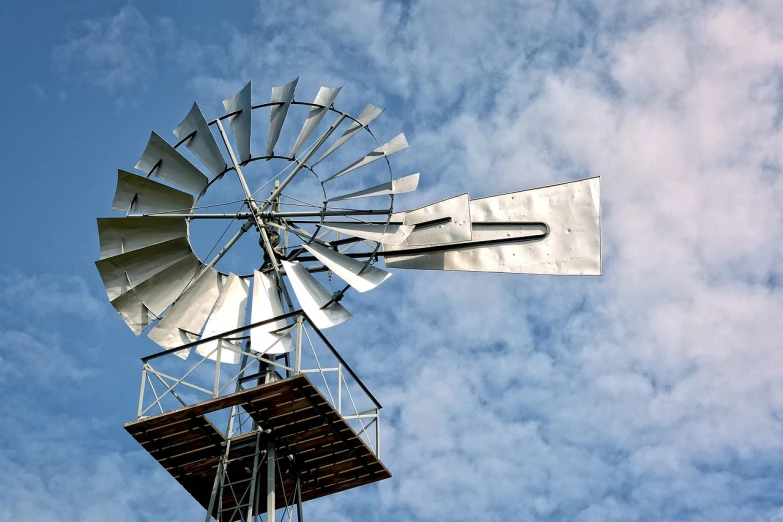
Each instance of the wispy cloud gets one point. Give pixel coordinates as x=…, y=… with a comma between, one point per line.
x=114, y=52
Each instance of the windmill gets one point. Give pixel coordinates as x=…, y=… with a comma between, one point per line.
x=244, y=346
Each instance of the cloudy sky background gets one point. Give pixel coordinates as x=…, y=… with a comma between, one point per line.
x=654, y=392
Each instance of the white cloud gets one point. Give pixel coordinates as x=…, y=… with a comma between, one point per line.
x=44, y=295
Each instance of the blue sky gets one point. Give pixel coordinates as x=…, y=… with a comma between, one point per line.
x=652, y=393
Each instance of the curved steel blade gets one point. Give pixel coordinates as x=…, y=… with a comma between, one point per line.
x=325, y=98
x=161, y=290
x=201, y=141
x=133, y=312
x=395, y=144
x=390, y=234
x=266, y=304
x=285, y=94
x=549, y=230
x=313, y=297
x=369, y=113
x=123, y=272
x=397, y=186
x=185, y=319
x=241, y=123
x=164, y=161
x=137, y=194
x=358, y=274
x=229, y=313
x=119, y=235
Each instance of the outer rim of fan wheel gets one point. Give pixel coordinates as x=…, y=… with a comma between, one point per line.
x=370, y=255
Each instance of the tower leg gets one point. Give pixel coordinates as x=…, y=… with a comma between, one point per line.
x=299, y=515
x=270, y=481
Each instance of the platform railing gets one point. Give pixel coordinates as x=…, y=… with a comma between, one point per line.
x=169, y=381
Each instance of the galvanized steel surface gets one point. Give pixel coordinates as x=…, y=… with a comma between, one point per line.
x=446, y=221
x=266, y=304
x=122, y=272
x=228, y=314
x=395, y=144
x=572, y=245
x=368, y=114
x=187, y=316
x=241, y=123
x=137, y=194
x=200, y=140
x=119, y=235
x=283, y=94
x=325, y=98
x=391, y=234
x=163, y=161
x=313, y=297
x=358, y=274
x=397, y=186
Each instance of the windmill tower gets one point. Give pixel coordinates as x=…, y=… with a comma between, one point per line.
x=248, y=405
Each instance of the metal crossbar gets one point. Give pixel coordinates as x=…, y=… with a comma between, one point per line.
x=311, y=351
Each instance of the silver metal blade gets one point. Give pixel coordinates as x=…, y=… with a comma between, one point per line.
x=396, y=144
x=138, y=194
x=549, y=230
x=120, y=235
x=387, y=234
x=325, y=98
x=369, y=113
x=161, y=160
x=133, y=312
x=201, y=141
x=397, y=186
x=313, y=297
x=229, y=313
x=123, y=272
x=159, y=291
x=285, y=94
x=360, y=276
x=186, y=318
x=241, y=123
x=446, y=221
x=266, y=304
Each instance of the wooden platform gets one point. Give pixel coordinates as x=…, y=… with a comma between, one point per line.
x=329, y=455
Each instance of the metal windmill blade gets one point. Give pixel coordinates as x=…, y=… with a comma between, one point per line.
x=282, y=96
x=324, y=100
x=396, y=144
x=368, y=114
x=161, y=160
x=240, y=109
x=195, y=134
x=357, y=274
x=396, y=186
x=137, y=194
x=314, y=299
x=272, y=338
x=386, y=234
x=185, y=320
x=119, y=235
x=228, y=314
